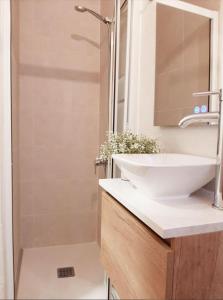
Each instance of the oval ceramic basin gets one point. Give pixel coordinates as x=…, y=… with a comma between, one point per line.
x=166, y=175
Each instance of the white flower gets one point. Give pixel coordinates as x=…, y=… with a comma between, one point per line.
x=127, y=142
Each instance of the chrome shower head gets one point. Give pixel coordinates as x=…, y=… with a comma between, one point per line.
x=80, y=8
x=103, y=19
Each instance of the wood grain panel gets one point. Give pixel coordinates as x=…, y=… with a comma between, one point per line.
x=138, y=262
x=198, y=267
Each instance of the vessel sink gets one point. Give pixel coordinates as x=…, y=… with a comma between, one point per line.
x=166, y=175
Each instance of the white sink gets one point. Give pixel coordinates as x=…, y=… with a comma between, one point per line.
x=166, y=176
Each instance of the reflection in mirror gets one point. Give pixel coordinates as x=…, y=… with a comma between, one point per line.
x=182, y=64
x=122, y=65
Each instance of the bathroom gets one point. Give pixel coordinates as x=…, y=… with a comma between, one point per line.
x=77, y=221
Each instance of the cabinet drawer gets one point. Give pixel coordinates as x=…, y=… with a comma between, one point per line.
x=138, y=262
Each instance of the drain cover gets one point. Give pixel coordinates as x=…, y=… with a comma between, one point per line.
x=65, y=272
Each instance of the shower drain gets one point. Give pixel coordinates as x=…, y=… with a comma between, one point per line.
x=65, y=272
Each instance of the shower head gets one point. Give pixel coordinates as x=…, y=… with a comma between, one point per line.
x=80, y=8
x=103, y=19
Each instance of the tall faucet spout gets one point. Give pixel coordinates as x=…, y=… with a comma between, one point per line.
x=205, y=94
x=211, y=118
x=208, y=118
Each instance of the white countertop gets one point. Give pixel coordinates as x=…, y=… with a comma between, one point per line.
x=168, y=218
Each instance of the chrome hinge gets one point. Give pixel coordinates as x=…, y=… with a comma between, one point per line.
x=99, y=162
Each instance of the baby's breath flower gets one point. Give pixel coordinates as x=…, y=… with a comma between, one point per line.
x=126, y=142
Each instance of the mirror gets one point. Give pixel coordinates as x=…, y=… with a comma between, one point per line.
x=184, y=63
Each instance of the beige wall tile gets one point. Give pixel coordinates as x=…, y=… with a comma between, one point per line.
x=59, y=126
x=58, y=229
x=59, y=196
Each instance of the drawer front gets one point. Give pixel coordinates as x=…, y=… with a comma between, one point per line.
x=138, y=262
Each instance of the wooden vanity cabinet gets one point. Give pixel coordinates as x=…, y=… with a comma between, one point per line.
x=141, y=265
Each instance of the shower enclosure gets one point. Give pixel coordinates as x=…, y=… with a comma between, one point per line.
x=62, y=105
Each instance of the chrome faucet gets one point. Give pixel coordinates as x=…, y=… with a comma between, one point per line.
x=211, y=118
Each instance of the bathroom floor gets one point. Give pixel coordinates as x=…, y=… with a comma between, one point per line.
x=38, y=276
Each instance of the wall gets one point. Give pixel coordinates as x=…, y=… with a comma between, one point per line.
x=15, y=136
x=194, y=140
x=58, y=122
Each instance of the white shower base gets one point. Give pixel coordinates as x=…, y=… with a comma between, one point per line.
x=38, y=276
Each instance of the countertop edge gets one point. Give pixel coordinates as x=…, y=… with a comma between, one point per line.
x=165, y=233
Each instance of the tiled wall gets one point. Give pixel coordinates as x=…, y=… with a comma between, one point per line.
x=58, y=121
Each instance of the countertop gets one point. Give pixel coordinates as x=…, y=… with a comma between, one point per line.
x=168, y=218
